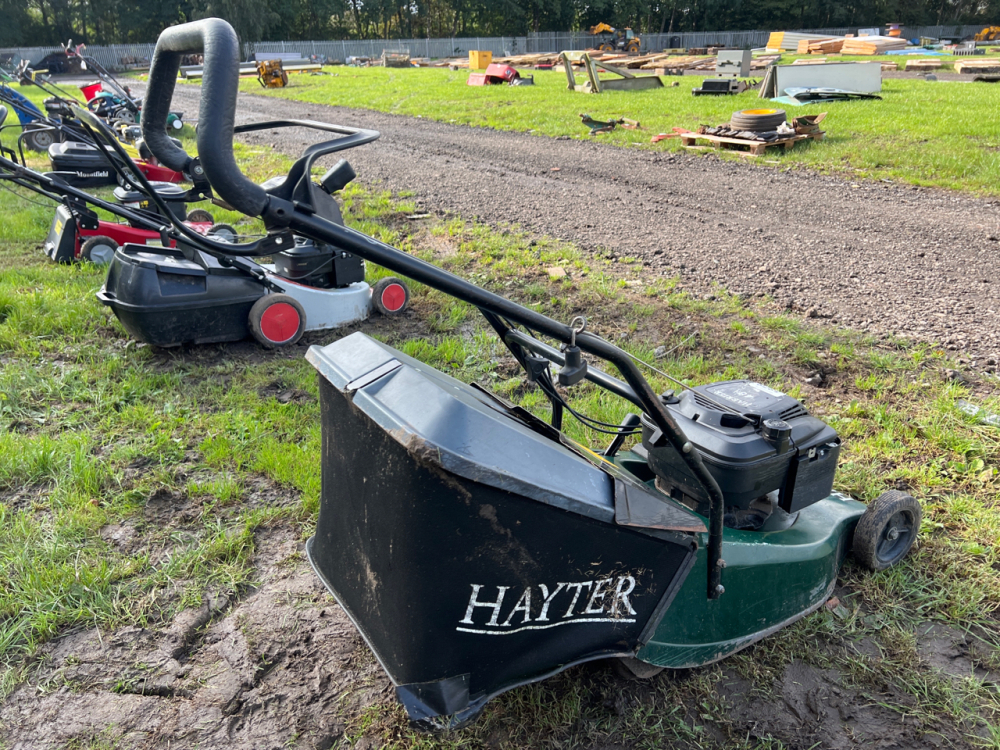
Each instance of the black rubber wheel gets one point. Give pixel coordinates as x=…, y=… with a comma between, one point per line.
x=200, y=215
x=39, y=137
x=634, y=670
x=390, y=296
x=633, y=48
x=887, y=530
x=223, y=232
x=607, y=47
x=98, y=249
x=758, y=120
x=277, y=320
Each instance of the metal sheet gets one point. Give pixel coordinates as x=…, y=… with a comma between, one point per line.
x=864, y=77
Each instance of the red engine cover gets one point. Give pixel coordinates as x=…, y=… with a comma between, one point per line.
x=158, y=173
x=505, y=72
x=495, y=74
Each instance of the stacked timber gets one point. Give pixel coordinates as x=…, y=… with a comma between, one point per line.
x=786, y=40
x=804, y=44
x=923, y=64
x=872, y=45
x=825, y=46
x=986, y=65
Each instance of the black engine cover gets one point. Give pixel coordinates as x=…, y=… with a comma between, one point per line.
x=799, y=458
x=318, y=265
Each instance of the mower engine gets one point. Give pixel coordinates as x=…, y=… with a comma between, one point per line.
x=765, y=451
x=318, y=265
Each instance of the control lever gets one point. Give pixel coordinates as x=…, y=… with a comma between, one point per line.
x=338, y=177
x=575, y=368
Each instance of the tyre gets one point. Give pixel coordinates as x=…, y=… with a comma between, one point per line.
x=98, y=249
x=390, y=296
x=634, y=670
x=887, y=530
x=633, y=48
x=200, y=215
x=277, y=320
x=605, y=47
x=758, y=120
x=39, y=137
x=223, y=232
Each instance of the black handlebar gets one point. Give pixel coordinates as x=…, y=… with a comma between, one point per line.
x=288, y=208
x=216, y=115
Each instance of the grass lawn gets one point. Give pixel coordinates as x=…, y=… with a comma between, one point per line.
x=93, y=428
x=945, y=134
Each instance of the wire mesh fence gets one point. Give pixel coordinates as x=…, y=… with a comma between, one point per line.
x=121, y=57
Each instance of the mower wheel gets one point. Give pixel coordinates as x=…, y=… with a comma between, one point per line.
x=757, y=120
x=98, y=249
x=390, y=296
x=277, y=320
x=634, y=670
x=887, y=530
x=223, y=232
x=201, y=216
x=39, y=137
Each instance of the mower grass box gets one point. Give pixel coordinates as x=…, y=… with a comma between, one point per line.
x=515, y=555
x=164, y=299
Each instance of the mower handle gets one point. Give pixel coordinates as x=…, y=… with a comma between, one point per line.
x=217, y=40
x=217, y=112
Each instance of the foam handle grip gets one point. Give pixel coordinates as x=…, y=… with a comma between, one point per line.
x=217, y=40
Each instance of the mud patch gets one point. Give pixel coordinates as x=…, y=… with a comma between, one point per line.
x=24, y=498
x=283, y=665
x=812, y=707
x=953, y=652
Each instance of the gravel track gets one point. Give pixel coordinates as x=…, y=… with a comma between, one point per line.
x=879, y=256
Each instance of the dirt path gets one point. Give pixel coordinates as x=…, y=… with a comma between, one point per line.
x=883, y=257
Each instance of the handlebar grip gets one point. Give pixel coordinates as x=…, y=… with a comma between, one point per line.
x=217, y=40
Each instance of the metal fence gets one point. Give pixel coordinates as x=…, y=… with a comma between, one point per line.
x=124, y=56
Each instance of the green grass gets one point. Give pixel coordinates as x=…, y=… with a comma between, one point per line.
x=96, y=433
x=943, y=134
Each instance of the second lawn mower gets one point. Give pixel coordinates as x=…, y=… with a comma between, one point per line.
x=188, y=290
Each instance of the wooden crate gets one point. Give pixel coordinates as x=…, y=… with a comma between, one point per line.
x=753, y=148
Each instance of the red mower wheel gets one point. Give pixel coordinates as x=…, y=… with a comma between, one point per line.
x=390, y=296
x=98, y=249
x=277, y=320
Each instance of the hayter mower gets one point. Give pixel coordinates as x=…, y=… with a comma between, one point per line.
x=476, y=547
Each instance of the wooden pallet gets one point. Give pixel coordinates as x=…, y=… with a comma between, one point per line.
x=754, y=148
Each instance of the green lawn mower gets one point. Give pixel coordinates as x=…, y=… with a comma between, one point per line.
x=475, y=546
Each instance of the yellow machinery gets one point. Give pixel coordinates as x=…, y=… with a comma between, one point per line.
x=271, y=74
x=616, y=40
x=989, y=34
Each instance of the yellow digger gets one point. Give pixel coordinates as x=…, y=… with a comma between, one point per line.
x=989, y=34
x=616, y=40
x=271, y=74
